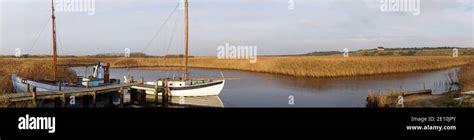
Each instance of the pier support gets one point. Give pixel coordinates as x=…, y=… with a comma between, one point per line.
x=133, y=95
x=85, y=101
x=57, y=102
x=120, y=93
x=164, y=95
x=141, y=97
x=34, y=97
x=94, y=99
x=63, y=99
x=111, y=98
x=156, y=93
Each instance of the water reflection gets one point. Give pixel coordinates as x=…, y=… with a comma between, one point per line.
x=269, y=90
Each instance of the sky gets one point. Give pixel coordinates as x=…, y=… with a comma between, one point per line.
x=273, y=26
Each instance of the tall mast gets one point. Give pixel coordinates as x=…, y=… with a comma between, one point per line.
x=54, y=40
x=186, y=50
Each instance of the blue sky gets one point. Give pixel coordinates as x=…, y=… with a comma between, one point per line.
x=313, y=25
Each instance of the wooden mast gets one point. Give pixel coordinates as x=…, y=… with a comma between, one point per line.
x=186, y=72
x=54, y=41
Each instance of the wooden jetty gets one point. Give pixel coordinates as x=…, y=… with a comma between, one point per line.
x=61, y=96
x=417, y=92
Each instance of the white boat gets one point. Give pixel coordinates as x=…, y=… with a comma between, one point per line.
x=189, y=88
x=186, y=86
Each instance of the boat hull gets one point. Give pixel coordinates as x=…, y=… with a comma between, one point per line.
x=21, y=85
x=208, y=89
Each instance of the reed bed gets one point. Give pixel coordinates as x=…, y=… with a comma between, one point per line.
x=466, y=77
x=36, y=69
x=382, y=100
x=309, y=66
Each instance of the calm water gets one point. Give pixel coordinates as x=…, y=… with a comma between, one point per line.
x=269, y=90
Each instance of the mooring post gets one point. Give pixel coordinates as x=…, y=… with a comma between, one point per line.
x=111, y=98
x=164, y=95
x=141, y=97
x=57, y=102
x=59, y=86
x=142, y=80
x=28, y=88
x=156, y=92
x=94, y=97
x=133, y=95
x=63, y=99
x=85, y=101
x=131, y=79
x=34, y=96
x=121, y=96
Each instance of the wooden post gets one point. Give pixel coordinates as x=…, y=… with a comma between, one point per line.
x=142, y=80
x=85, y=101
x=57, y=102
x=94, y=98
x=28, y=88
x=59, y=86
x=63, y=99
x=141, y=97
x=111, y=99
x=156, y=92
x=164, y=95
x=121, y=96
x=34, y=97
x=133, y=95
x=131, y=79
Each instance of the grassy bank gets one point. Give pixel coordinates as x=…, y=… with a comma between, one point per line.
x=309, y=66
x=466, y=77
x=390, y=100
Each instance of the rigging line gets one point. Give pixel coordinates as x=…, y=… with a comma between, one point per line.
x=59, y=39
x=159, y=30
x=172, y=37
x=60, y=43
x=173, y=33
x=39, y=35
